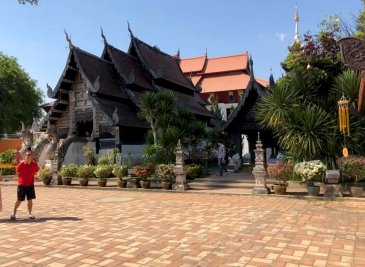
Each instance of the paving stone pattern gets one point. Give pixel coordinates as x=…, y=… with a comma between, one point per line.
x=84, y=227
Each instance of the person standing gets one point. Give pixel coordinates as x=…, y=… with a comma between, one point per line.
x=26, y=170
x=221, y=159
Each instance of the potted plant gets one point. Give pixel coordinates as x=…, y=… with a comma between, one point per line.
x=310, y=172
x=45, y=174
x=194, y=171
x=143, y=172
x=68, y=172
x=166, y=173
x=121, y=171
x=280, y=171
x=84, y=172
x=89, y=155
x=353, y=168
x=103, y=172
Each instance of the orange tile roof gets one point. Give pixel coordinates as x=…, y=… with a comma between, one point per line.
x=225, y=83
x=228, y=63
x=262, y=82
x=195, y=79
x=195, y=64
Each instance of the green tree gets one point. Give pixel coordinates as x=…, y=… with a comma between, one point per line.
x=360, y=23
x=19, y=96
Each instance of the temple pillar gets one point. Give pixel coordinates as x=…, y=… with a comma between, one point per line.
x=259, y=171
x=96, y=124
x=72, y=113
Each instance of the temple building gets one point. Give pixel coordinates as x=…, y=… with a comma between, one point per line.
x=224, y=78
x=96, y=100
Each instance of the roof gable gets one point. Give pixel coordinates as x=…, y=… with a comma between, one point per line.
x=159, y=64
x=195, y=64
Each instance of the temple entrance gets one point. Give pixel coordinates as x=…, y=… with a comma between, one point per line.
x=84, y=128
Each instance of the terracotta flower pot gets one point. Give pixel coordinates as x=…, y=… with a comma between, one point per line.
x=122, y=183
x=280, y=189
x=356, y=191
x=102, y=182
x=47, y=181
x=166, y=185
x=84, y=181
x=66, y=180
x=146, y=184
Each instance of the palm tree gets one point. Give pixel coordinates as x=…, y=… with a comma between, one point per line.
x=156, y=107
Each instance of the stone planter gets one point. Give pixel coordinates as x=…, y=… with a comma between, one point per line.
x=313, y=191
x=332, y=176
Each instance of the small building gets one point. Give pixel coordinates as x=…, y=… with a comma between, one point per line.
x=224, y=78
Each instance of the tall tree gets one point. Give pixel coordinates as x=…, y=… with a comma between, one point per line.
x=19, y=96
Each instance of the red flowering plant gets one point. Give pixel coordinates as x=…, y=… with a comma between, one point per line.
x=352, y=167
x=143, y=171
x=281, y=171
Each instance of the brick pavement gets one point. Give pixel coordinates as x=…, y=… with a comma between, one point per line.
x=84, y=227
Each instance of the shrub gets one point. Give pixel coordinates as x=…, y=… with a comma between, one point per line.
x=165, y=171
x=8, y=157
x=194, y=171
x=69, y=170
x=45, y=173
x=310, y=171
x=352, y=167
x=89, y=155
x=104, y=171
x=120, y=171
x=7, y=169
x=104, y=160
x=280, y=170
x=85, y=171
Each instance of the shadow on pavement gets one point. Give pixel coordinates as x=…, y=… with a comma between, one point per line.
x=39, y=219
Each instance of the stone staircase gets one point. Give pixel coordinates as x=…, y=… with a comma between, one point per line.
x=243, y=180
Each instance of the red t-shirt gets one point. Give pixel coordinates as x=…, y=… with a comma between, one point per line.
x=26, y=172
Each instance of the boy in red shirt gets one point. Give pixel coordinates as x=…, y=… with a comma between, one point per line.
x=26, y=170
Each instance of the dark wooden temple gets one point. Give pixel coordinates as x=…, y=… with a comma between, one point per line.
x=96, y=98
x=243, y=119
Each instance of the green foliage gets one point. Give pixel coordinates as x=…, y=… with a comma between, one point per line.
x=104, y=171
x=104, y=160
x=194, y=171
x=360, y=23
x=165, y=171
x=89, y=154
x=348, y=84
x=19, y=96
x=45, y=173
x=120, y=171
x=69, y=170
x=7, y=157
x=85, y=171
x=306, y=132
x=7, y=169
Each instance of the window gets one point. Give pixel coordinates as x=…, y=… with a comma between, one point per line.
x=230, y=96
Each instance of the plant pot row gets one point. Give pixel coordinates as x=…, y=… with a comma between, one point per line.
x=122, y=183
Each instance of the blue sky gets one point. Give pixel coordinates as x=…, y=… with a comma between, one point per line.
x=264, y=28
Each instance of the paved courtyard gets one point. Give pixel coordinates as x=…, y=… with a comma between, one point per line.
x=85, y=227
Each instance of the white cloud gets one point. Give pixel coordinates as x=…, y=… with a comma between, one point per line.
x=281, y=36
